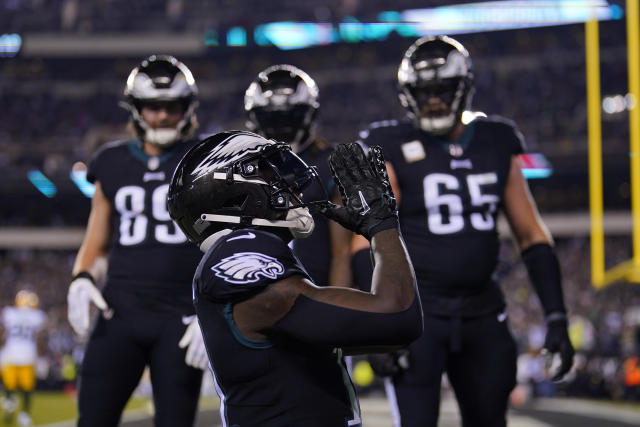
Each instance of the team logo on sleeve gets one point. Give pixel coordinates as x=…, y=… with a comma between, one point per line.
x=247, y=267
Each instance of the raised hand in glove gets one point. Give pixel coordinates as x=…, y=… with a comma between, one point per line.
x=367, y=197
x=193, y=341
x=82, y=292
x=389, y=364
x=557, y=341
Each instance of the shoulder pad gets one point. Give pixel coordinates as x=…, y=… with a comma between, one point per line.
x=380, y=126
x=383, y=124
x=497, y=120
x=243, y=263
x=507, y=129
x=102, y=154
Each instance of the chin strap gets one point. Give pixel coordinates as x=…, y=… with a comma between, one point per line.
x=299, y=222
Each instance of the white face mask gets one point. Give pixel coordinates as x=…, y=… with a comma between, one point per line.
x=303, y=222
x=438, y=125
x=162, y=137
x=299, y=222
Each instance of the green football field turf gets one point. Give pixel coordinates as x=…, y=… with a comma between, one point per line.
x=52, y=407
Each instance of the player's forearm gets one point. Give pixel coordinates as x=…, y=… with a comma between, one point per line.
x=340, y=271
x=340, y=267
x=544, y=272
x=88, y=257
x=393, y=280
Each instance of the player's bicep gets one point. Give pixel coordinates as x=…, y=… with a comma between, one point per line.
x=343, y=317
x=257, y=314
x=521, y=210
x=331, y=316
x=261, y=312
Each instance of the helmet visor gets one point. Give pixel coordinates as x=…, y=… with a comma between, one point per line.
x=445, y=90
x=290, y=174
x=282, y=124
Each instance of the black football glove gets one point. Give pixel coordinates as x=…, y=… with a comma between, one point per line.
x=367, y=197
x=557, y=341
x=389, y=364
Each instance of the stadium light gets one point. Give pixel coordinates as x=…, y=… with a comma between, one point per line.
x=466, y=18
x=535, y=166
x=78, y=175
x=10, y=44
x=42, y=183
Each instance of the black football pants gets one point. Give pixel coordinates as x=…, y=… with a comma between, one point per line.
x=479, y=356
x=115, y=358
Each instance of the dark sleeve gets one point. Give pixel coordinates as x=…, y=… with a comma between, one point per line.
x=504, y=132
x=544, y=271
x=512, y=136
x=242, y=264
x=324, y=324
x=97, y=165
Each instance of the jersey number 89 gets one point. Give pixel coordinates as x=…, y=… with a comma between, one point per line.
x=129, y=202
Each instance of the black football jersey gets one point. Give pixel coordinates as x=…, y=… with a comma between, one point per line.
x=148, y=252
x=450, y=196
x=315, y=250
x=280, y=382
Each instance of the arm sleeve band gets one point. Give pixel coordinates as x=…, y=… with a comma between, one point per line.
x=544, y=272
x=320, y=323
x=84, y=274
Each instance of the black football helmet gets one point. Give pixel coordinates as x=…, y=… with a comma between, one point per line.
x=437, y=67
x=238, y=179
x=161, y=78
x=282, y=104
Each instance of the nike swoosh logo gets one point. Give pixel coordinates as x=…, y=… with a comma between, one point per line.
x=188, y=319
x=249, y=235
x=365, y=205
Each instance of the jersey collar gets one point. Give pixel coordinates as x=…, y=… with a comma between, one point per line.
x=136, y=149
x=463, y=142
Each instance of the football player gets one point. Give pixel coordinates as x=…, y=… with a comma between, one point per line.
x=275, y=340
x=147, y=317
x=451, y=178
x=22, y=324
x=282, y=104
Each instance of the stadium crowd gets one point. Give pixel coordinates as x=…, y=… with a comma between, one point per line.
x=76, y=99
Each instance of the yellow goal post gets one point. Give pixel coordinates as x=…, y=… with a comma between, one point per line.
x=627, y=271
